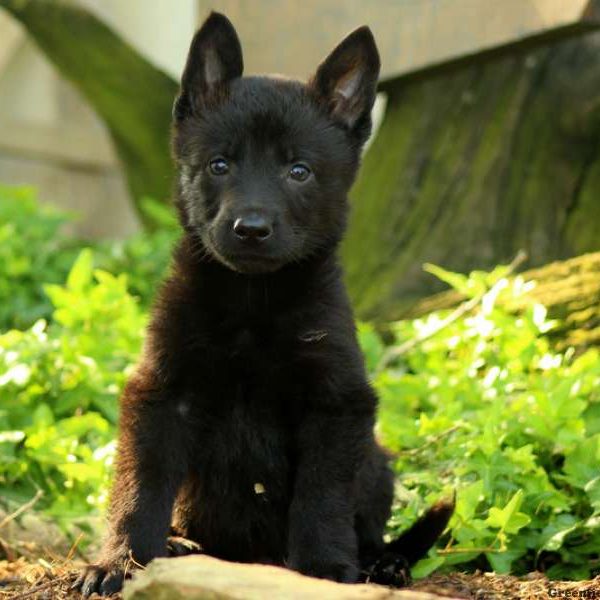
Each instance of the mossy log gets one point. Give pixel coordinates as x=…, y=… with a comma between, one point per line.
x=569, y=289
x=473, y=164
x=133, y=97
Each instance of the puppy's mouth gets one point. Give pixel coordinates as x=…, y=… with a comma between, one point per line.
x=252, y=264
x=248, y=262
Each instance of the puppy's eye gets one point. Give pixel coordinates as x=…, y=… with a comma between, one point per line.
x=218, y=166
x=299, y=172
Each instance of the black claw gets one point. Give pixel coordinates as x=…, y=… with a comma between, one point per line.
x=76, y=585
x=90, y=585
x=112, y=583
x=98, y=580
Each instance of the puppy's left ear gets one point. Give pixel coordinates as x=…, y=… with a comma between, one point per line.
x=214, y=59
x=346, y=81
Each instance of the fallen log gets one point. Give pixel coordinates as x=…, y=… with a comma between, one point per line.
x=569, y=289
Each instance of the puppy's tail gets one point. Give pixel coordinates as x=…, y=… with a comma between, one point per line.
x=416, y=542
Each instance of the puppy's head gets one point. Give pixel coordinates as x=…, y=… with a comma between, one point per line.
x=265, y=163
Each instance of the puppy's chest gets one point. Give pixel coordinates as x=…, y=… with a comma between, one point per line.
x=261, y=349
x=245, y=448
x=246, y=411
x=242, y=433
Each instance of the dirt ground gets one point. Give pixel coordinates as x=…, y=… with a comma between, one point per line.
x=50, y=579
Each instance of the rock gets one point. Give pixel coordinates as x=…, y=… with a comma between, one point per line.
x=205, y=578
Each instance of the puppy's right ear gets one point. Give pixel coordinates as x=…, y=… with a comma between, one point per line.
x=214, y=59
x=346, y=82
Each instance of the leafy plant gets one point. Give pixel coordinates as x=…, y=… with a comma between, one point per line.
x=33, y=250
x=58, y=392
x=145, y=257
x=485, y=407
x=476, y=402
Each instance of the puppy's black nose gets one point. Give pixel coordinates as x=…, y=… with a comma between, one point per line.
x=252, y=227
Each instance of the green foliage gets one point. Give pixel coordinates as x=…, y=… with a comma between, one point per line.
x=482, y=404
x=71, y=334
x=59, y=384
x=144, y=257
x=485, y=407
x=34, y=249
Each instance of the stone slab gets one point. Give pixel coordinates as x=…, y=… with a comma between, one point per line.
x=206, y=578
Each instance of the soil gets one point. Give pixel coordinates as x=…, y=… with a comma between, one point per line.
x=51, y=578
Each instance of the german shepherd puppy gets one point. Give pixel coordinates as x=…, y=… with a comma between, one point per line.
x=248, y=426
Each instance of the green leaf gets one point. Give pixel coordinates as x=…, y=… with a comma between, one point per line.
x=426, y=566
x=582, y=465
x=509, y=519
x=371, y=345
x=43, y=416
x=468, y=499
x=459, y=282
x=12, y=437
x=501, y=562
x=81, y=273
x=556, y=531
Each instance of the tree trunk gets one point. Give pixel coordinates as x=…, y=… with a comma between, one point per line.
x=470, y=166
x=133, y=97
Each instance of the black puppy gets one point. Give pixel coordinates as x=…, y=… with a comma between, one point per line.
x=248, y=426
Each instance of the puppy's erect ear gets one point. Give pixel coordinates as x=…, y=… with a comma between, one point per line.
x=347, y=80
x=214, y=59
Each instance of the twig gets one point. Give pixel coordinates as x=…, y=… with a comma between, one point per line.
x=456, y=314
x=39, y=588
x=21, y=509
x=489, y=549
x=131, y=561
x=7, y=549
x=73, y=548
x=431, y=441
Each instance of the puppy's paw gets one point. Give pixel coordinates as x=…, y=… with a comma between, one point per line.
x=181, y=546
x=391, y=569
x=100, y=579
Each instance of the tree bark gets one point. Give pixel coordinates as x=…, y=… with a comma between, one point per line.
x=133, y=97
x=471, y=165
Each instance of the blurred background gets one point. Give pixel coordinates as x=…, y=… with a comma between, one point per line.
x=486, y=152
x=489, y=118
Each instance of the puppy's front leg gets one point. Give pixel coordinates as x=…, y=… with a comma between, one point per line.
x=150, y=466
x=322, y=539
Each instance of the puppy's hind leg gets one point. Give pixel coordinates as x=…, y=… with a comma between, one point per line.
x=376, y=481
x=393, y=567
x=389, y=564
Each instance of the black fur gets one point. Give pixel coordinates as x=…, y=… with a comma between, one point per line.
x=248, y=426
